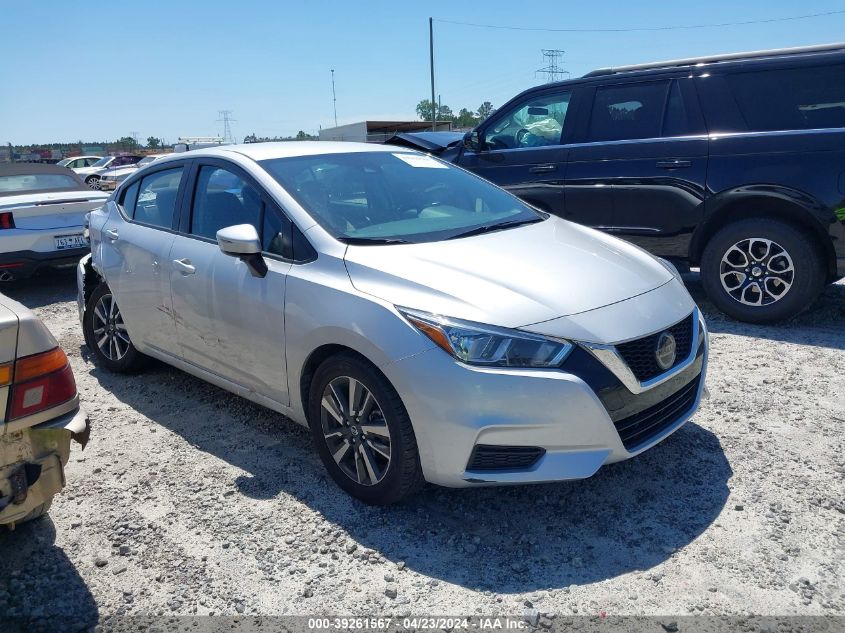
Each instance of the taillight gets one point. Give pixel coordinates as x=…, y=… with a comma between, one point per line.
x=41, y=381
x=7, y=221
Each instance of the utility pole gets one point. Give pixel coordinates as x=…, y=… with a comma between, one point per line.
x=431, y=60
x=553, y=70
x=226, y=118
x=135, y=138
x=334, y=100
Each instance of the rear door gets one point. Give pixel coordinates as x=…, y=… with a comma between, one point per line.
x=136, y=255
x=521, y=150
x=641, y=168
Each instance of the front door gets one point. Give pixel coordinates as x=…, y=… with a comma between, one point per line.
x=229, y=322
x=136, y=256
x=520, y=149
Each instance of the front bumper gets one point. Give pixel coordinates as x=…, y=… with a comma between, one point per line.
x=455, y=407
x=107, y=185
x=32, y=463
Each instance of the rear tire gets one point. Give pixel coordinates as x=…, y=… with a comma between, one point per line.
x=762, y=270
x=362, y=434
x=106, y=335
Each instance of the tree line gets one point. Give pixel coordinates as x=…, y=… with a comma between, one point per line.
x=464, y=117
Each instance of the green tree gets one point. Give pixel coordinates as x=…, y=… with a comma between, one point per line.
x=466, y=118
x=127, y=142
x=251, y=138
x=485, y=110
x=303, y=136
x=424, y=110
x=153, y=142
x=444, y=113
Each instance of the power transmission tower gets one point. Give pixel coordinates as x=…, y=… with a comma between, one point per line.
x=226, y=118
x=334, y=100
x=553, y=69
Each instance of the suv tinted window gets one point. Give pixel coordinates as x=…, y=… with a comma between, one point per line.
x=791, y=99
x=628, y=112
x=534, y=123
x=222, y=198
x=157, y=198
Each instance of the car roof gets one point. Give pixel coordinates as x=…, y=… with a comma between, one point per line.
x=30, y=169
x=286, y=149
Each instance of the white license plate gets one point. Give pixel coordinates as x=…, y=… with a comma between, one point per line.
x=70, y=241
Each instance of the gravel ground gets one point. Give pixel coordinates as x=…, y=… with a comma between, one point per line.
x=189, y=500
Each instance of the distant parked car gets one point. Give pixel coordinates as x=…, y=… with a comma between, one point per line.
x=78, y=162
x=426, y=325
x=42, y=217
x=91, y=175
x=733, y=163
x=112, y=178
x=41, y=415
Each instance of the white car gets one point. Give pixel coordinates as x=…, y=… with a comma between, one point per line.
x=78, y=162
x=424, y=323
x=42, y=218
x=41, y=414
x=107, y=164
x=110, y=180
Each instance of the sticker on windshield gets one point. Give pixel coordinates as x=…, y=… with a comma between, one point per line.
x=420, y=160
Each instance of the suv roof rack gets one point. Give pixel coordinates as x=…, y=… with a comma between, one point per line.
x=690, y=61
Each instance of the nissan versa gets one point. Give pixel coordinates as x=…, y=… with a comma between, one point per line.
x=425, y=324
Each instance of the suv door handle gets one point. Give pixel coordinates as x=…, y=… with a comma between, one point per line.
x=542, y=169
x=673, y=164
x=184, y=266
x=112, y=234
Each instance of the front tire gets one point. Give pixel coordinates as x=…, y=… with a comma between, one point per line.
x=93, y=182
x=762, y=270
x=106, y=335
x=362, y=431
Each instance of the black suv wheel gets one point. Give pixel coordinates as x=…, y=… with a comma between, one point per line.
x=762, y=270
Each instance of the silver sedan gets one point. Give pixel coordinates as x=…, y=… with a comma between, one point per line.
x=425, y=324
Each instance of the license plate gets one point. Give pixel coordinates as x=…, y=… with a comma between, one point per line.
x=70, y=241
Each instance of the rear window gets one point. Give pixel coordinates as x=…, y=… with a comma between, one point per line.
x=156, y=201
x=23, y=183
x=628, y=112
x=791, y=98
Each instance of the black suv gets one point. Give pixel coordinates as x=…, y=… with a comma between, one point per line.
x=733, y=163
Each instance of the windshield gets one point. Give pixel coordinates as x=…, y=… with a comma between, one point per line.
x=146, y=161
x=383, y=197
x=105, y=160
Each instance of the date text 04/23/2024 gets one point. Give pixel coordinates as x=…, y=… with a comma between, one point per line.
x=418, y=623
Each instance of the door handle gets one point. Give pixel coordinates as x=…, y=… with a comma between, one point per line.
x=673, y=164
x=542, y=169
x=112, y=234
x=184, y=266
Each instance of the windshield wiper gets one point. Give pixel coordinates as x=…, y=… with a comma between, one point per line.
x=488, y=228
x=370, y=240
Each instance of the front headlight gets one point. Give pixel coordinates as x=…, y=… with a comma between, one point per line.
x=477, y=344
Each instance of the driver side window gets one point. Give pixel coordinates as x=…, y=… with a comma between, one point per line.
x=532, y=123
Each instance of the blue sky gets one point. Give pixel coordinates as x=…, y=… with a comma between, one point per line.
x=98, y=70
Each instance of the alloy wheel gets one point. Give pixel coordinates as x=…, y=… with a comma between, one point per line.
x=109, y=330
x=355, y=430
x=756, y=271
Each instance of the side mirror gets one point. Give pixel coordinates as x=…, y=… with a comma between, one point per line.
x=241, y=241
x=472, y=141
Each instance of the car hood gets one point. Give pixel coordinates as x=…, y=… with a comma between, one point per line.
x=430, y=142
x=510, y=278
